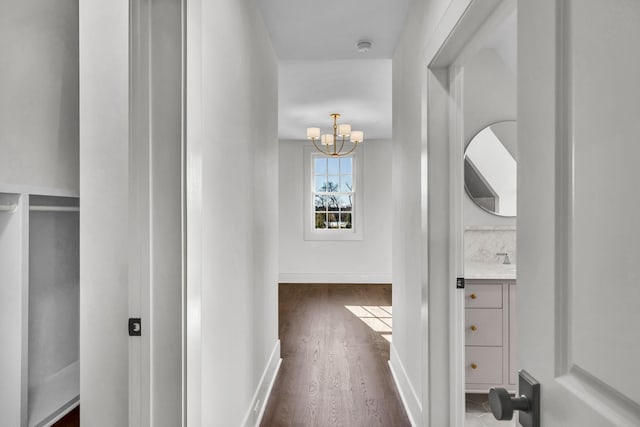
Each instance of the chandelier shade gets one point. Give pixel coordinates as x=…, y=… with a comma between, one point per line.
x=333, y=144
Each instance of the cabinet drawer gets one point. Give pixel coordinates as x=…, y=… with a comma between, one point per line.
x=483, y=326
x=483, y=296
x=483, y=365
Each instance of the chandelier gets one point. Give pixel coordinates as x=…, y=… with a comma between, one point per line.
x=330, y=142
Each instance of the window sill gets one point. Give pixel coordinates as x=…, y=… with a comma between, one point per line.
x=335, y=235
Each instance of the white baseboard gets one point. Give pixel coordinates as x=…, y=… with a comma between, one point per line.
x=408, y=395
x=334, y=278
x=263, y=391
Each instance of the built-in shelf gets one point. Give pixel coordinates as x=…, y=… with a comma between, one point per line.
x=39, y=304
x=12, y=318
x=56, y=396
x=54, y=308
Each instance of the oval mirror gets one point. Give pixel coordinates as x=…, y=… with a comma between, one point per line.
x=490, y=168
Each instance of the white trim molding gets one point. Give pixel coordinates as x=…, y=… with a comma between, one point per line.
x=408, y=395
x=347, y=278
x=37, y=190
x=456, y=37
x=254, y=414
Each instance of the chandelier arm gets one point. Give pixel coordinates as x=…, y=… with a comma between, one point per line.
x=316, y=145
x=335, y=135
x=342, y=145
x=352, y=149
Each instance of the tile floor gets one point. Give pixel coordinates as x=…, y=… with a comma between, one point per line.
x=478, y=413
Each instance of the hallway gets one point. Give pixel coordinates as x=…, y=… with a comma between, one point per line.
x=335, y=348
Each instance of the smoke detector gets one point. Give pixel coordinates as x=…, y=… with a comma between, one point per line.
x=364, y=46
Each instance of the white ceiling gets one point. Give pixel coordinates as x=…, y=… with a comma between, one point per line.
x=310, y=91
x=330, y=29
x=322, y=72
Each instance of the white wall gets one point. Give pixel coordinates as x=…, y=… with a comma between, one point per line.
x=489, y=95
x=352, y=261
x=410, y=297
x=39, y=87
x=104, y=239
x=232, y=151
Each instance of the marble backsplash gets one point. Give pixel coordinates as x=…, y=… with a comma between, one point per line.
x=482, y=243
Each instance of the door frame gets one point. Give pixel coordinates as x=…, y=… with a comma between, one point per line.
x=156, y=297
x=459, y=34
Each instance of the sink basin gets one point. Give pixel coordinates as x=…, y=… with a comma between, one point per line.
x=485, y=270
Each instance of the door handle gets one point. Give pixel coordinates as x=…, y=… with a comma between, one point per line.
x=528, y=403
x=503, y=405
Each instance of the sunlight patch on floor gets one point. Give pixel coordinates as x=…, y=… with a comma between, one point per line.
x=377, y=317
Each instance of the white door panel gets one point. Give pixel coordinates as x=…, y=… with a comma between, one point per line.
x=606, y=236
x=579, y=237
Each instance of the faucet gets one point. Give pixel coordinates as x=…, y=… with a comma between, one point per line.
x=507, y=260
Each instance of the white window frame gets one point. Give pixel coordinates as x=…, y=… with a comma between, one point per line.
x=354, y=233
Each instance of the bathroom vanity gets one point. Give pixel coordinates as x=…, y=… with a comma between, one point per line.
x=490, y=327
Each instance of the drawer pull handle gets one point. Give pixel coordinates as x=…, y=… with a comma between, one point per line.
x=474, y=366
x=473, y=328
x=473, y=296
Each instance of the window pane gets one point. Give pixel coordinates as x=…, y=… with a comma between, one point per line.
x=345, y=202
x=332, y=220
x=345, y=220
x=332, y=184
x=345, y=165
x=333, y=202
x=334, y=166
x=321, y=183
x=332, y=191
x=321, y=220
x=346, y=184
x=320, y=203
x=320, y=165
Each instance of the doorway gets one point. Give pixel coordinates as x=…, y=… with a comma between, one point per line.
x=471, y=84
x=489, y=200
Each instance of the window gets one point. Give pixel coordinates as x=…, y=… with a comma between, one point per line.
x=333, y=194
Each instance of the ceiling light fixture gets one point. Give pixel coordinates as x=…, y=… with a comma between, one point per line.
x=330, y=141
x=364, y=46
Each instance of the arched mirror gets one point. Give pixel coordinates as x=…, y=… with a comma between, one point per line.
x=490, y=168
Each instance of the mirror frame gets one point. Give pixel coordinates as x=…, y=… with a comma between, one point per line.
x=464, y=157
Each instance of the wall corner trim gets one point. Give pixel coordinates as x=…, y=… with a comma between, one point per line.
x=256, y=409
x=408, y=395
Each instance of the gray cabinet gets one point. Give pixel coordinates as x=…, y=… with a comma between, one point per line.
x=490, y=359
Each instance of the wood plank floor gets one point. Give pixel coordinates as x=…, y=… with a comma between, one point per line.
x=334, y=370
x=72, y=419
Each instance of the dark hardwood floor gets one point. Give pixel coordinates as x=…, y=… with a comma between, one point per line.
x=334, y=370
x=72, y=419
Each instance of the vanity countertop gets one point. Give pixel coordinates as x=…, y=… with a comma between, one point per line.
x=485, y=270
